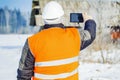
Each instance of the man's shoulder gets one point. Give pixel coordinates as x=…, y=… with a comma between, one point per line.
x=38, y=34
x=34, y=35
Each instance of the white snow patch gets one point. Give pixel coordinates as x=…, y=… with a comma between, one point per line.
x=110, y=56
x=96, y=71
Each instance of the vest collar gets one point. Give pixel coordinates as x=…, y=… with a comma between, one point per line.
x=46, y=26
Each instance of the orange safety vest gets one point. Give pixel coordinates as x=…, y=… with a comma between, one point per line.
x=56, y=53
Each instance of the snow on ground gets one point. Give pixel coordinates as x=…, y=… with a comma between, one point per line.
x=10, y=52
x=90, y=71
x=110, y=56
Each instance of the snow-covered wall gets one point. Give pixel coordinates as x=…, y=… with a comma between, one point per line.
x=104, y=12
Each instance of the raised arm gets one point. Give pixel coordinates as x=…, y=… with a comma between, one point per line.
x=88, y=34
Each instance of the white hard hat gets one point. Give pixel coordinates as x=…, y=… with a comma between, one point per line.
x=52, y=10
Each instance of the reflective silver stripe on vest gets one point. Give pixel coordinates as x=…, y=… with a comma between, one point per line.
x=57, y=76
x=57, y=62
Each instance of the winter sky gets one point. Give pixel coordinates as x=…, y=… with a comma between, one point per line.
x=23, y=5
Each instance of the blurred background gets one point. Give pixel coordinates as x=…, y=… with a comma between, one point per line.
x=100, y=61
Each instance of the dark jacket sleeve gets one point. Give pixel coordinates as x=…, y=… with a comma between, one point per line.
x=90, y=27
x=26, y=64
